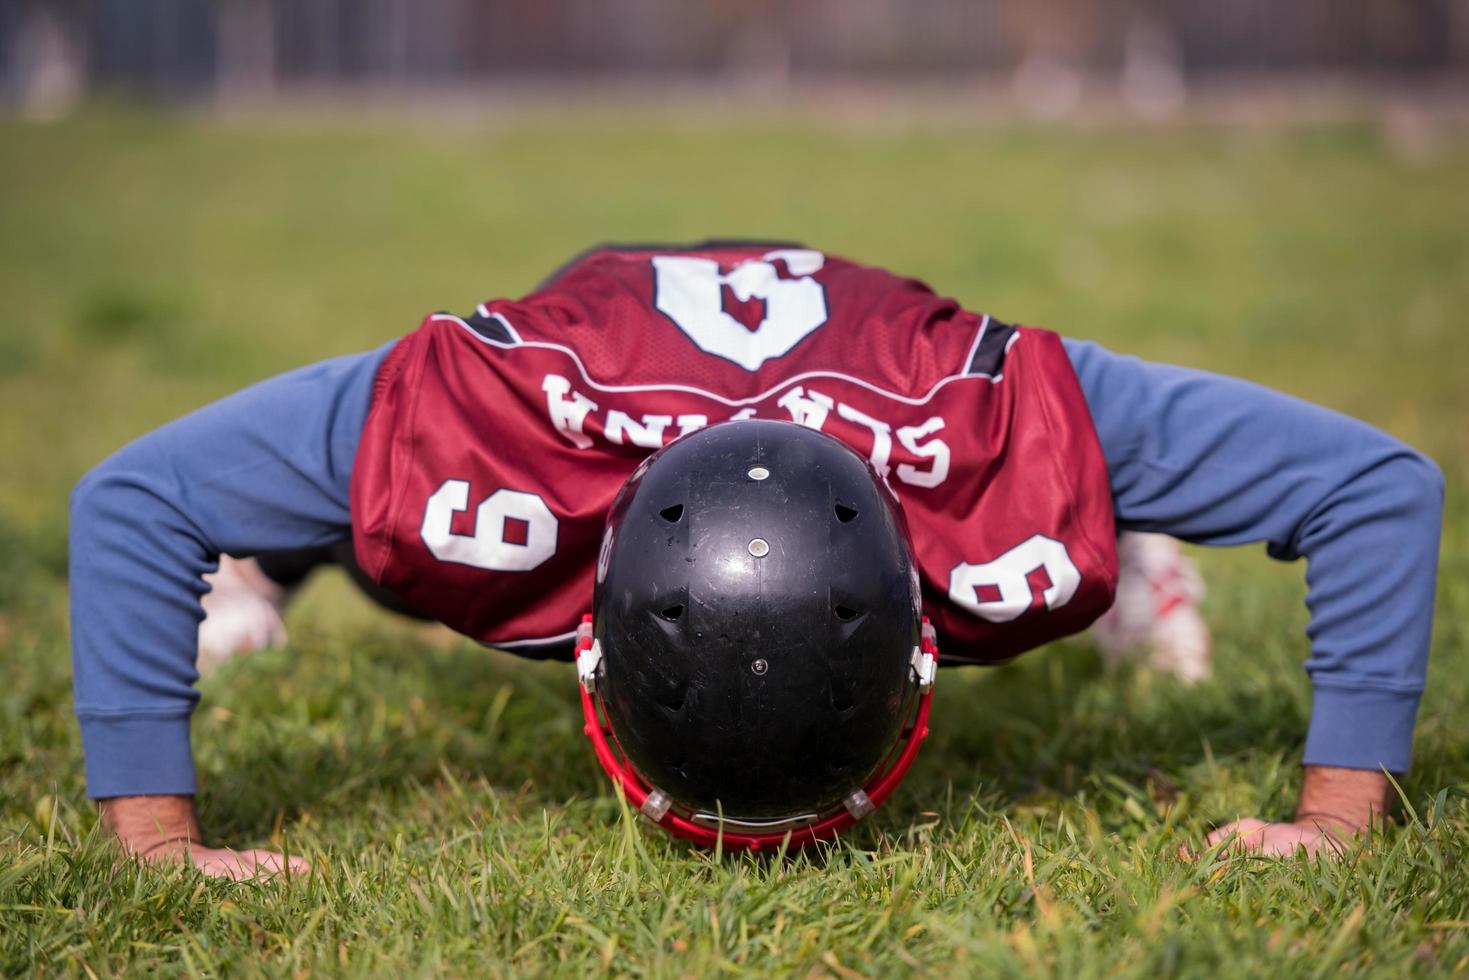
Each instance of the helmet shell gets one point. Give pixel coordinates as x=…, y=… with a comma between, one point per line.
x=757, y=606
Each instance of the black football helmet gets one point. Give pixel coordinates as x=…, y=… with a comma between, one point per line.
x=757, y=647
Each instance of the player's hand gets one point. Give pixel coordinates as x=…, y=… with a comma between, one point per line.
x=1251, y=836
x=225, y=862
x=1336, y=805
x=157, y=829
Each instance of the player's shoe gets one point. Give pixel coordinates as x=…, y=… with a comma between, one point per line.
x=1156, y=618
x=242, y=612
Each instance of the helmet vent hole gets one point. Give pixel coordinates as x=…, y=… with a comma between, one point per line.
x=672, y=514
x=846, y=514
x=841, y=705
x=845, y=613
x=673, y=612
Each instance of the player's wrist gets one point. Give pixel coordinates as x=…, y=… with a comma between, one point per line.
x=152, y=826
x=1343, y=800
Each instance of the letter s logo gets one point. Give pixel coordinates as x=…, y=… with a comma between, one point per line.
x=690, y=292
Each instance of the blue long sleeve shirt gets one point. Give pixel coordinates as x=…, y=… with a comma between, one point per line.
x=1201, y=457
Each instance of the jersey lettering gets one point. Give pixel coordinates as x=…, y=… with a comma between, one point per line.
x=569, y=411
x=513, y=531
x=882, y=435
x=690, y=292
x=691, y=423
x=1004, y=589
x=648, y=433
x=806, y=408
x=568, y=415
x=935, y=449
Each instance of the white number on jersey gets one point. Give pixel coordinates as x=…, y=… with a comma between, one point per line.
x=513, y=531
x=690, y=291
x=1003, y=589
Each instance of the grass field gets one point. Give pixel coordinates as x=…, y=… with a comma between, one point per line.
x=456, y=820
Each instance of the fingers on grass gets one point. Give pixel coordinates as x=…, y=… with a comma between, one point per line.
x=1248, y=834
x=252, y=864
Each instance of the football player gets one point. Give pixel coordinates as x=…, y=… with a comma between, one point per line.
x=777, y=481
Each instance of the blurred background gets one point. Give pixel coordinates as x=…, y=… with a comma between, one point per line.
x=1047, y=59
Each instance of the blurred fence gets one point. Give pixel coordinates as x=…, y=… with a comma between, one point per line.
x=58, y=50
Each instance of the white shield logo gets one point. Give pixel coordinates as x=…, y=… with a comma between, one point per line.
x=690, y=292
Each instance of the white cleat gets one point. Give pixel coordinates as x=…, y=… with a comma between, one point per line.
x=1156, y=618
x=242, y=613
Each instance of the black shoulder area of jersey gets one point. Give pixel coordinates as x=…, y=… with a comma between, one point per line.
x=989, y=354
x=489, y=327
x=709, y=244
x=564, y=650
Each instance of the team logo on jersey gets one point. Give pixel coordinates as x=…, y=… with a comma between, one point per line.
x=718, y=310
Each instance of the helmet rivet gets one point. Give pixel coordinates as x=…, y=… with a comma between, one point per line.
x=758, y=473
x=759, y=667
x=759, y=547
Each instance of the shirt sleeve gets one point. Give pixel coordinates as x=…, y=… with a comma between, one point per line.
x=1219, y=461
x=268, y=468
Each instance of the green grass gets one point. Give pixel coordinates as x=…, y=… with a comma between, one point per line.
x=456, y=819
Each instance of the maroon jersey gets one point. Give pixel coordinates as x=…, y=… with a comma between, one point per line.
x=496, y=443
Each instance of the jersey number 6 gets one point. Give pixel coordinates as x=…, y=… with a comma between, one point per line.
x=513, y=531
x=1035, y=573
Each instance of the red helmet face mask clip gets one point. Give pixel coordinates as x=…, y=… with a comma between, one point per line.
x=710, y=830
